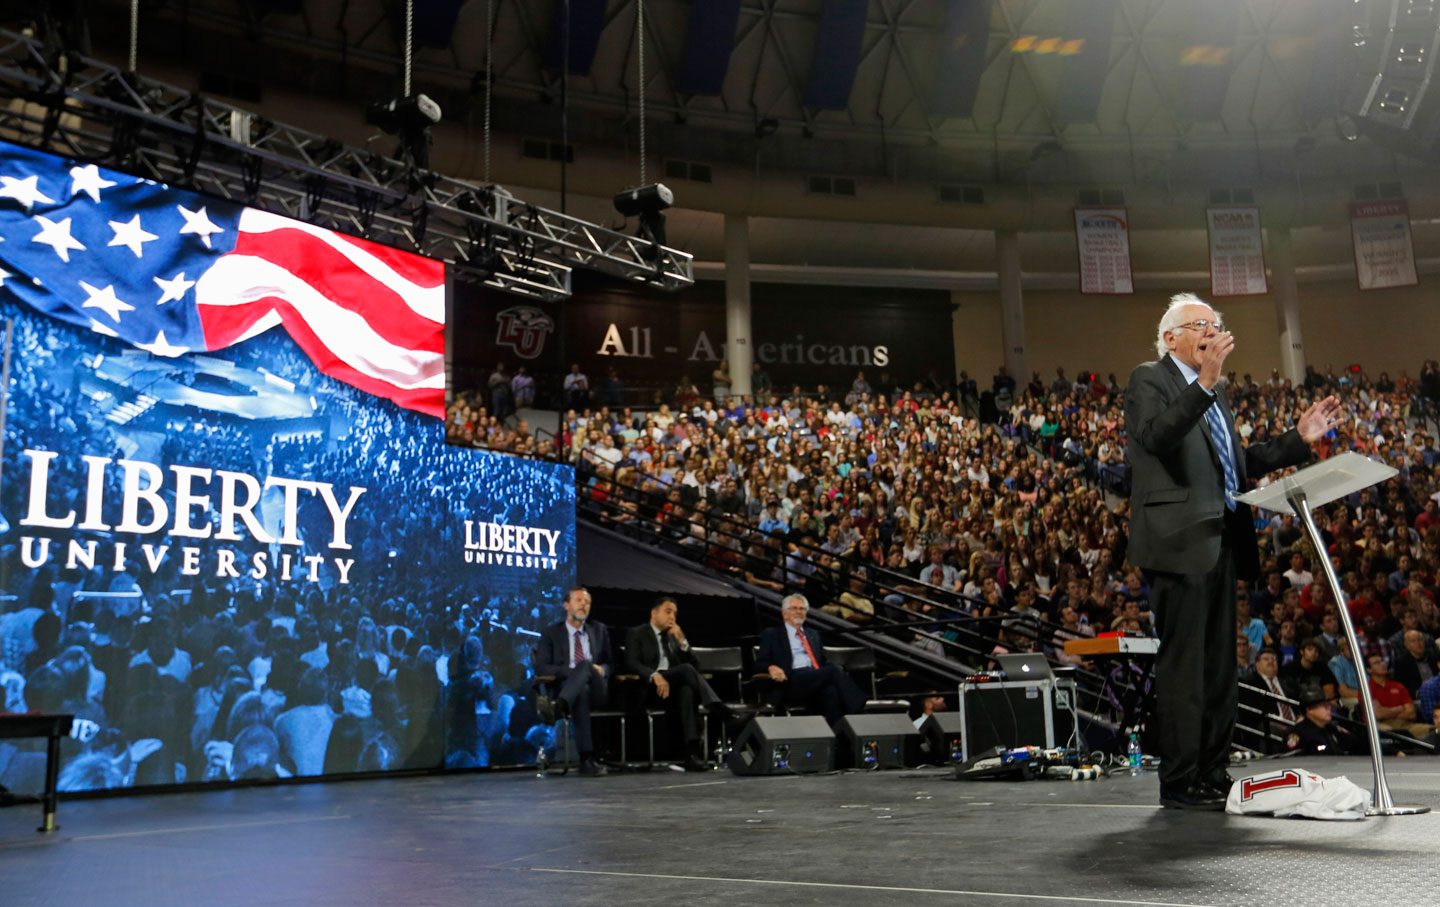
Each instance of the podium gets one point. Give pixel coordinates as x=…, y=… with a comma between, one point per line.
x=1297, y=494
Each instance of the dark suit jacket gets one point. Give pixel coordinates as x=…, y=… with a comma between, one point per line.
x=1177, y=499
x=552, y=655
x=1264, y=703
x=1407, y=673
x=775, y=649
x=642, y=652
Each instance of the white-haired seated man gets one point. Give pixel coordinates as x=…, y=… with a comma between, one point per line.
x=795, y=660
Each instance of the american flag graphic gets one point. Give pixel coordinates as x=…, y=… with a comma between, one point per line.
x=174, y=272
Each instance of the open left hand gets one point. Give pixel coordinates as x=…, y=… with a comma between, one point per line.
x=1319, y=419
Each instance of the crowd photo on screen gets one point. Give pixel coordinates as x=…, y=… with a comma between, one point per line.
x=179, y=670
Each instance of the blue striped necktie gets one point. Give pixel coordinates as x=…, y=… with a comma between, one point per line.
x=1223, y=447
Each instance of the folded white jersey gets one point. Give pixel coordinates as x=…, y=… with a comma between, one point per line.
x=1294, y=792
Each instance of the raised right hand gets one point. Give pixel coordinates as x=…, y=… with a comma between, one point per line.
x=1212, y=358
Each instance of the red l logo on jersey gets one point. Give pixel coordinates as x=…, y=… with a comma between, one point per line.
x=1252, y=786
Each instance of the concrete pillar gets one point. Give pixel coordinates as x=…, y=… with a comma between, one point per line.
x=1012, y=306
x=738, y=342
x=1287, y=304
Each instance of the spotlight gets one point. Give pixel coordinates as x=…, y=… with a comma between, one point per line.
x=410, y=118
x=398, y=114
x=647, y=202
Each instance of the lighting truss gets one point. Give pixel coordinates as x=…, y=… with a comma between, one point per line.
x=85, y=109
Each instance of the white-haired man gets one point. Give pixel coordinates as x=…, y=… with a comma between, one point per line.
x=795, y=660
x=1193, y=539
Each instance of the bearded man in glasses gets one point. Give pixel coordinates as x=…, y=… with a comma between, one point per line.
x=1193, y=539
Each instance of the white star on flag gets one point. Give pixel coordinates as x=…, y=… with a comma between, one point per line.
x=57, y=236
x=106, y=301
x=162, y=348
x=4, y=274
x=99, y=328
x=174, y=288
x=198, y=222
x=88, y=180
x=130, y=234
x=26, y=192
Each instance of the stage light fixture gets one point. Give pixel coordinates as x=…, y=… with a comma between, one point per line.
x=646, y=202
x=409, y=118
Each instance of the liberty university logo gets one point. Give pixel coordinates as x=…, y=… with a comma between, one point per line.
x=523, y=328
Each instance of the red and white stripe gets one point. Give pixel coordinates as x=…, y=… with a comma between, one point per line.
x=365, y=314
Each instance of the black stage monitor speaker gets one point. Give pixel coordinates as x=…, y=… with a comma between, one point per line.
x=784, y=746
x=940, y=739
x=883, y=740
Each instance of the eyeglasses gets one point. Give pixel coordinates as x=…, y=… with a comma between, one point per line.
x=1201, y=325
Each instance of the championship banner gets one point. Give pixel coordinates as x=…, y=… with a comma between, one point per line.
x=1102, y=236
x=238, y=553
x=1237, y=252
x=1384, y=252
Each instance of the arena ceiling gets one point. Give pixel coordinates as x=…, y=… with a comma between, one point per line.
x=1219, y=92
x=1161, y=81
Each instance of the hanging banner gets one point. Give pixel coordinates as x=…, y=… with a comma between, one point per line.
x=1237, y=253
x=1102, y=238
x=1384, y=252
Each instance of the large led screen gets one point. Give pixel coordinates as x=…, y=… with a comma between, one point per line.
x=234, y=543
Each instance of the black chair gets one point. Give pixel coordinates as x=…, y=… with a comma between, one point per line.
x=758, y=684
x=860, y=661
x=629, y=691
x=724, y=668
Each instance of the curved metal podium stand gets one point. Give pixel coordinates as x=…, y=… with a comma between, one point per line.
x=1314, y=486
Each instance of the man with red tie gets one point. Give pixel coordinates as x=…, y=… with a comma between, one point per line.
x=795, y=660
x=576, y=651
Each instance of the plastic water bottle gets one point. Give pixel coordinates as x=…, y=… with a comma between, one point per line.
x=1134, y=753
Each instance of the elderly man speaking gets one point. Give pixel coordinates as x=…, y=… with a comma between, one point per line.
x=1193, y=539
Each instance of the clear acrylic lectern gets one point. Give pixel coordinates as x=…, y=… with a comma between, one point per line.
x=1313, y=486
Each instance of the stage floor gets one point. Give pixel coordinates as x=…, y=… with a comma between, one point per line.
x=667, y=838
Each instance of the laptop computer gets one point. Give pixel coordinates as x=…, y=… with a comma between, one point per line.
x=1027, y=666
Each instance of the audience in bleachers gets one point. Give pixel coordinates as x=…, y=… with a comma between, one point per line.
x=1014, y=499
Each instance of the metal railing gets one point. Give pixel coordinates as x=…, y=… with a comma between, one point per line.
x=950, y=625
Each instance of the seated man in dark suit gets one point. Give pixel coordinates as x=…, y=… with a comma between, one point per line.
x=660, y=654
x=1414, y=663
x=795, y=660
x=577, y=651
x=1263, y=693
